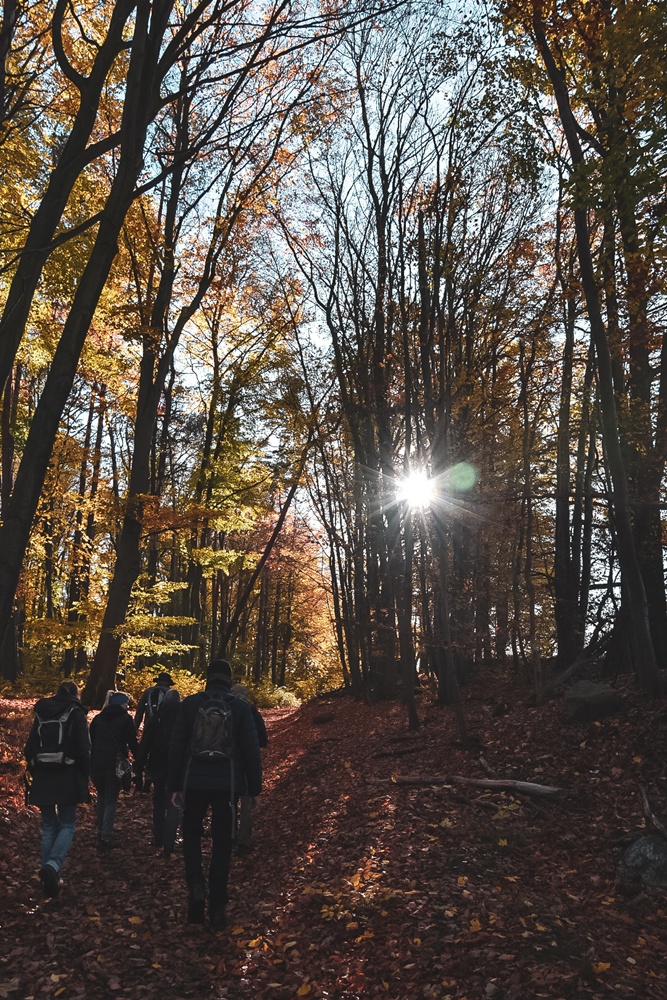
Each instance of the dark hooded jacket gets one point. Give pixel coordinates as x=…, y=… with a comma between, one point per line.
x=149, y=703
x=154, y=746
x=244, y=774
x=66, y=784
x=112, y=732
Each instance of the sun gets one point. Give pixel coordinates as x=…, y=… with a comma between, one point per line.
x=415, y=489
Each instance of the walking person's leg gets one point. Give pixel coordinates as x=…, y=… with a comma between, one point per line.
x=107, y=786
x=171, y=823
x=99, y=783
x=244, y=835
x=58, y=824
x=159, y=806
x=111, y=793
x=49, y=831
x=66, y=819
x=194, y=809
x=222, y=832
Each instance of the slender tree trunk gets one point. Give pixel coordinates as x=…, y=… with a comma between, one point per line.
x=76, y=154
x=9, y=410
x=570, y=638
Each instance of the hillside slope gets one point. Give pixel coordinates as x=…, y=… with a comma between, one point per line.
x=361, y=887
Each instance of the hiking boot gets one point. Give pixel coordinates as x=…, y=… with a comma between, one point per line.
x=218, y=918
x=51, y=882
x=104, y=846
x=196, y=904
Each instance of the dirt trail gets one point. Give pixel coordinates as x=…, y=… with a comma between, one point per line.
x=361, y=889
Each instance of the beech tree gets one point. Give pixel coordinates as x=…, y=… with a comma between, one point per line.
x=419, y=277
x=611, y=107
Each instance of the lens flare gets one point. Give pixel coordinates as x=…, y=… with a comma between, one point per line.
x=416, y=489
x=462, y=477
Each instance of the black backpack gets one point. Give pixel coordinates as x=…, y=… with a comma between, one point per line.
x=213, y=731
x=51, y=740
x=153, y=701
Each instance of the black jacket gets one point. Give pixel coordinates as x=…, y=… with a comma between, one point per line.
x=154, y=746
x=246, y=774
x=262, y=734
x=112, y=732
x=142, y=713
x=67, y=784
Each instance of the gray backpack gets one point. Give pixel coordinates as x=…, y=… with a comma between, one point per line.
x=213, y=739
x=213, y=732
x=51, y=738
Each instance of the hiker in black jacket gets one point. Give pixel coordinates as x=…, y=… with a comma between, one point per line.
x=58, y=784
x=154, y=755
x=112, y=735
x=147, y=709
x=213, y=757
x=152, y=698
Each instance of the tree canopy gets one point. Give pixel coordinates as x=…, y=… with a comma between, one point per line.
x=332, y=340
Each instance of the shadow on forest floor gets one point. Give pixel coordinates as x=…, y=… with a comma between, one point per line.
x=359, y=888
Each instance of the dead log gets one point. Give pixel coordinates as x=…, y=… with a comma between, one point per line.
x=501, y=784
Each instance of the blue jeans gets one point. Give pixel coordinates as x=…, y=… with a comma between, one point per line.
x=58, y=826
x=107, y=786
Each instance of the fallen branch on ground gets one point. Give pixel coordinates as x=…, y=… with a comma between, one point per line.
x=486, y=767
x=652, y=821
x=501, y=784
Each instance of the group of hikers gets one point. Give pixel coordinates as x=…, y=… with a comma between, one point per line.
x=201, y=753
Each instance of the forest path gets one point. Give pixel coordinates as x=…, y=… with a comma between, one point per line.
x=363, y=890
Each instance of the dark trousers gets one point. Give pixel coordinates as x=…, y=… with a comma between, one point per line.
x=107, y=786
x=194, y=810
x=166, y=816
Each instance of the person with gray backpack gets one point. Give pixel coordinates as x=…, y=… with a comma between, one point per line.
x=214, y=758
x=147, y=711
x=58, y=757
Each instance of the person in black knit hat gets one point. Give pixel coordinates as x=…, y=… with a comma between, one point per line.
x=213, y=758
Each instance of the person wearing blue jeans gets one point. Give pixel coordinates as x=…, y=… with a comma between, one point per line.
x=113, y=737
x=107, y=786
x=58, y=828
x=58, y=756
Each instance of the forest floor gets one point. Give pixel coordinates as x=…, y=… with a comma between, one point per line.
x=359, y=888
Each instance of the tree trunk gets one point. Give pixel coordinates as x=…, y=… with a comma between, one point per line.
x=645, y=660
x=75, y=156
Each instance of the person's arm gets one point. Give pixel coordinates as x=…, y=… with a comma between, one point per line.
x=262, y=735
x=81, y=742
x=29, y=748
x=131, y=737
x=249, y=745
x=145, y=747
